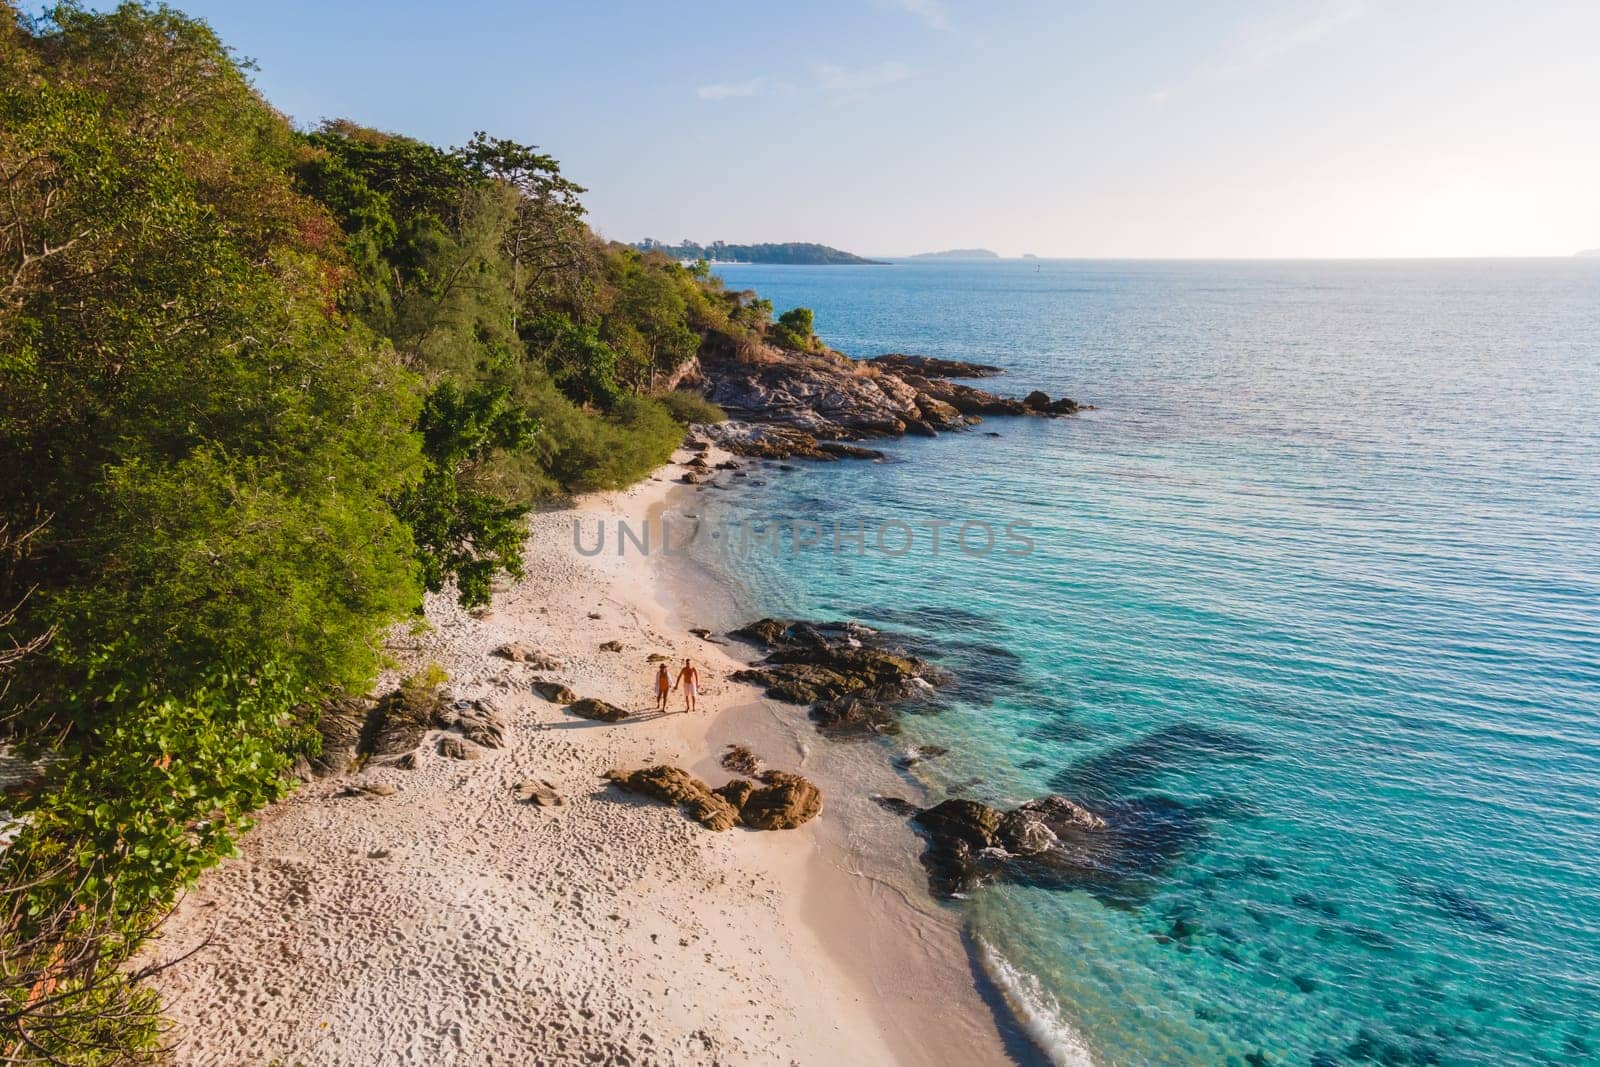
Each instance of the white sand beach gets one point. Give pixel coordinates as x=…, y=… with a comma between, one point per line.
x=452, y=923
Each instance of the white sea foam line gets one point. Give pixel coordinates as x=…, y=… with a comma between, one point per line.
x=1037, y=1011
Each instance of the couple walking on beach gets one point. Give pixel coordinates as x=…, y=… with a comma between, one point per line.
x=688, y=678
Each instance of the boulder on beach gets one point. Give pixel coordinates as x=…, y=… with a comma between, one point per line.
x=611, y=646
x=598, y=710
x=478, y=721
x=677, y=786
x=453, y=747
x=521, y=652
x=782, y=802
x=539, y=793
x=554, y=692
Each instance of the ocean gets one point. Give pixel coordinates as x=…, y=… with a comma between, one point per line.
x=1316, y=589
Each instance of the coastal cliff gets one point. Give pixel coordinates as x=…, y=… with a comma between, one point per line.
x=785, y=402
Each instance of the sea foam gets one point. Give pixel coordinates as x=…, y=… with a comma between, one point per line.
x=1035, y=1009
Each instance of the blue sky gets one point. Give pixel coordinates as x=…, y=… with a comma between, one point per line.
x=1307, y=128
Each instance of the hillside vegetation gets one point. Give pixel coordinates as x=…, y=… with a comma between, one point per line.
x=260, y=388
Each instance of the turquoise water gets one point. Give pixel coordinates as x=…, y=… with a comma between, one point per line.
x=1320, y=581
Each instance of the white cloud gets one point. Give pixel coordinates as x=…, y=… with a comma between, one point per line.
x=833, y=78
x=727, y=90
x=1258, y=43
x=929, y=11
x=1157, y=98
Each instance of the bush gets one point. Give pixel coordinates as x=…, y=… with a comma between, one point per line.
x=689, y=407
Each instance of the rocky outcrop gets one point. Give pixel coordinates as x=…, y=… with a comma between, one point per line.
x=933, y=366
x=677, y=786
x=598, y=710
x=853, y=678
x=785, y=402
x=1050, y=840
x=782, y=802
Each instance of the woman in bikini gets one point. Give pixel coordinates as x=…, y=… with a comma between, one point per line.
x=689, y=678
x=663, y=687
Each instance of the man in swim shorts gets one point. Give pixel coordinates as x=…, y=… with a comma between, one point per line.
x=689, y=678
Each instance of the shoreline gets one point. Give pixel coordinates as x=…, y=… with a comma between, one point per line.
x=447, y=922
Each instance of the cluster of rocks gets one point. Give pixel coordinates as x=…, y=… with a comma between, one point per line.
x=854, y=679
x=388, y=731
x=782, y=801
x=785, y=403
x=1051, y=839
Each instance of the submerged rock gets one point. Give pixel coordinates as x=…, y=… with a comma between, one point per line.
x=741, y=760
x=933, y=366
x=1049, y=841
x=852, y=677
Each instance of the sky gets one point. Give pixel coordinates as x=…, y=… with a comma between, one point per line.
x=1306, y=128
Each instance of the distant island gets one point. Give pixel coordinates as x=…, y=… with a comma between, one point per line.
x=958, y=253
x=794, y=252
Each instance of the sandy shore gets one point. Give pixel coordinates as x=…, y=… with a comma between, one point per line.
x=450, y=923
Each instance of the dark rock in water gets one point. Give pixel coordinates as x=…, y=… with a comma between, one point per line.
x=741, y=760
x=768, y=633
x=676, y=786
x=598, y=710
x=854, y=713
x=835, y=448
x=554, y=692
x=934, y=367
x=991, y=433
x=1454, y=903
x=853, y=677
x=966, y=821
x=1065, y=406
x=921, y=754
x=1054, y=843
x=1127, y=768
x=1304, y=982
x=1038, y=400
x=896, y=806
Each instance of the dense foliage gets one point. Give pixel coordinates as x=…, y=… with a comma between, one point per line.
x=259, y=389
x=793, y=252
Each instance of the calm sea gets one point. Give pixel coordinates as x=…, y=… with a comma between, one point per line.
x=1318, y=584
